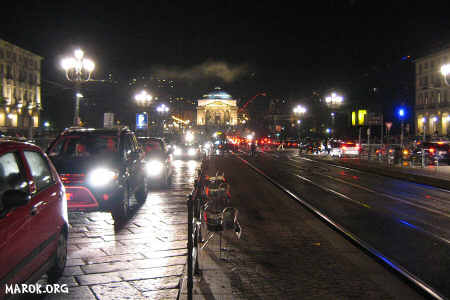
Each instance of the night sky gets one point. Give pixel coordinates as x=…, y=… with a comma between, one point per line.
x=288, y=49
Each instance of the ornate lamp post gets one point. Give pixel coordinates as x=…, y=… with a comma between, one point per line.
x=162, y=109
x=334, y=101
x=144, y=99
x=299, y=110
x=78, y=70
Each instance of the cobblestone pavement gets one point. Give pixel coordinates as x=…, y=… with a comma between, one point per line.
x=144, y=259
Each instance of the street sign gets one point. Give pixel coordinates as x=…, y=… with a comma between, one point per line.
x=108, y=120
x=141, y=121
x=388, y=125
x=374, y=119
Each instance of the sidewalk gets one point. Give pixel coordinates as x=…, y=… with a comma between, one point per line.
x=215, y=279
x=430, y=175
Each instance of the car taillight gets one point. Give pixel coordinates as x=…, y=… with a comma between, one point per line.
x=69, y=196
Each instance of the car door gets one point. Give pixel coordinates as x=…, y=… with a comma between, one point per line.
x=45, y=207
x=132, y=161
x=167, y=159
x=16, y=240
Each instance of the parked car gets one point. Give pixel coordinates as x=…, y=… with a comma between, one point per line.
x=291, y=144
x=434, y=152
x=100, y=168
x=335, y=149
x=158, y=161
x=33, y=216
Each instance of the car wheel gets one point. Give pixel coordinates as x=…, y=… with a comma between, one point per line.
x=60, y=259
x=121, y=208
x=141, y=193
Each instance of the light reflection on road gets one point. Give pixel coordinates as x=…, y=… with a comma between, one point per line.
x=151, y=244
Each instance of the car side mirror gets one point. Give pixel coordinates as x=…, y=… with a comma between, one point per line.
x=14, y=198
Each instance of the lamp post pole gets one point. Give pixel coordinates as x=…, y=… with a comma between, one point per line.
x=144, y=99
x=162, y=109
x=299, y=110
x=424, y=136
x=401, y=134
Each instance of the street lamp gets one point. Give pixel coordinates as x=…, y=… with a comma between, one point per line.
x=334, y=100
x=162, y=108
x=143, y=98
x=78, y=70
x=299, y=109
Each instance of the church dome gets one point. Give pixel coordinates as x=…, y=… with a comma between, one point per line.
x=217, y=93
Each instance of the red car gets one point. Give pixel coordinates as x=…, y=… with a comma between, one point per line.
x=33, y=216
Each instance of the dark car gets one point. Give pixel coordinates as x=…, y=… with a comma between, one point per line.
x=291, y=144
x=100, y=168
x=186, y=151
x=158, y=161
x=33, y=216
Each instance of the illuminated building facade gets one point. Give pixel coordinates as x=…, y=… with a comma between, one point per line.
x=432, y=99
x=20, y=89
x=217, y=109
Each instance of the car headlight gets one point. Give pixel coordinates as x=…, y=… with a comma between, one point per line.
x=177, y=152
x=102, y=176
x=154, y=167
x=192, y=152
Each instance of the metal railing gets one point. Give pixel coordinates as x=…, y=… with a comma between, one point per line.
x=194, y=222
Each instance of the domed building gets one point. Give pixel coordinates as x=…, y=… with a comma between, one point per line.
x=217, y=108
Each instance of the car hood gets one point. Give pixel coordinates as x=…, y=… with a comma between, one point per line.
x=80, y=165
x=156, y=155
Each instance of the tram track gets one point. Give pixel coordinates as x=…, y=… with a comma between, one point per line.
x=388, y=262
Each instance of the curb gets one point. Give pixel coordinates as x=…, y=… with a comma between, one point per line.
x=420, y=179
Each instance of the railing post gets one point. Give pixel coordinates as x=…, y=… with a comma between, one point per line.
x=190, y=282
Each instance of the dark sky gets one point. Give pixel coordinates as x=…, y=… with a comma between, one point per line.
x=288, y=46
x=294, y=39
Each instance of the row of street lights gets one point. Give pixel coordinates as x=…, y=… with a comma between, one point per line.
x=332, y=101
x=78, y=69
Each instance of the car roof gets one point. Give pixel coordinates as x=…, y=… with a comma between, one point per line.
x=86, y=131
x=9, y=144
x=150, y=138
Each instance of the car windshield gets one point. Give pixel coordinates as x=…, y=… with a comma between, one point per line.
x=84, y=145
x=152, y=146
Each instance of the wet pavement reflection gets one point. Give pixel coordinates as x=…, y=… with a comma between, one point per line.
x=142, y=260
